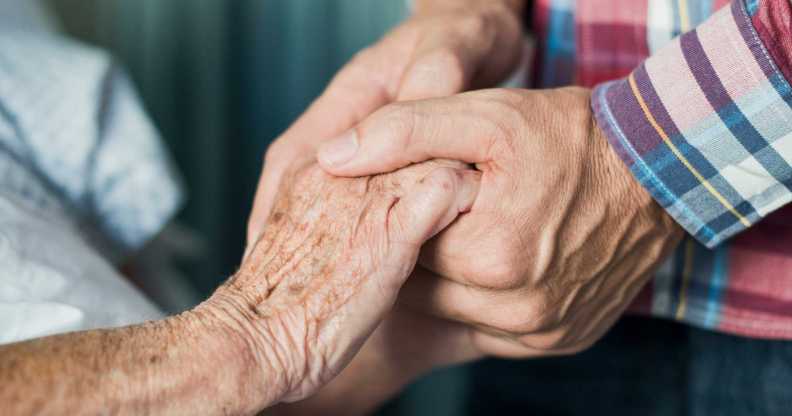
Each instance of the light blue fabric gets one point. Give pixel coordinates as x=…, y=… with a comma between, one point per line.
x=73, y=137
x=84, y=179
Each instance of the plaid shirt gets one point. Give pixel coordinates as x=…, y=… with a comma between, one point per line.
x=704, y=122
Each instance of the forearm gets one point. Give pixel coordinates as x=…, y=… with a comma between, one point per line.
x=162, y=367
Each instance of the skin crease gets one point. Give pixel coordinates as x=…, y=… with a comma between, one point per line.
x=310, y=292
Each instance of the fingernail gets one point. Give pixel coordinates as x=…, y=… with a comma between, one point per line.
x=339, y=150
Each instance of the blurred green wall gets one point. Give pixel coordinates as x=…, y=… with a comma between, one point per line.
x=222, y=79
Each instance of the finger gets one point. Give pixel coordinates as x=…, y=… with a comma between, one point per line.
x=461, y=127
x=432, y=340
x=510, y=348
x=475, y=51
x=432, y=205
x=276, y=163
x=486, y=313
x=428, y=292
x=444, y=63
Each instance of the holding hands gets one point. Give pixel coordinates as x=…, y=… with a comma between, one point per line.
x=446, y=47
x=365, y=190
x=330, y=265
x=561, y=236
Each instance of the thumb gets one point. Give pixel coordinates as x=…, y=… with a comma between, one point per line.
x=400, y=134
x=432, y=205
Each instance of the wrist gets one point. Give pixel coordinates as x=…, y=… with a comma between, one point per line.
x=633, y=198
x=227, y=351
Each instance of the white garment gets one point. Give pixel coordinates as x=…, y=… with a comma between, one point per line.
x=83, y=178
x=52, y=281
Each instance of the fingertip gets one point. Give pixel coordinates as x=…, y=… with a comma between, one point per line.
x=469, y=184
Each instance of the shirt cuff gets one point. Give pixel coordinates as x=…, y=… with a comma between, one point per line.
x=706, y=126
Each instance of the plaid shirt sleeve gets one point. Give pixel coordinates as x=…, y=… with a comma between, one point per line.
x=705, y=124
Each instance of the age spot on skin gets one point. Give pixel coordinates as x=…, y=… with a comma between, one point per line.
x=296, y=289
x=277, y=217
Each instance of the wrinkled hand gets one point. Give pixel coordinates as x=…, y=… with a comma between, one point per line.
x=446, y=47
x=330, y=264
x=561, y=236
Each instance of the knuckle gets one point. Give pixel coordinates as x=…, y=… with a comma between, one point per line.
x=552, y=341
x=502, y=117
x=501, y=265
x=398, y=120
x=442, y=180
x=528, y=317
x=497, y=275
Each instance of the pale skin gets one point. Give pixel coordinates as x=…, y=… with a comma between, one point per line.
x=307, y=296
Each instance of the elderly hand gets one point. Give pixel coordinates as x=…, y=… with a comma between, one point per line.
x=329, y=267
x=313, y=288
x=561, y=236
x=446, y=47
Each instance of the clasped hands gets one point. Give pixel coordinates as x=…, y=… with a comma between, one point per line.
x=399, y=225
x=555, y=236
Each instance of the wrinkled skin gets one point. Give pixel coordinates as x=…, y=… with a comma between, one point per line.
x=561, y=237
x=330, y=265
x=444, y=48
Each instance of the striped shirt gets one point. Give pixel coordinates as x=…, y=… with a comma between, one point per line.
x=694, y=96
